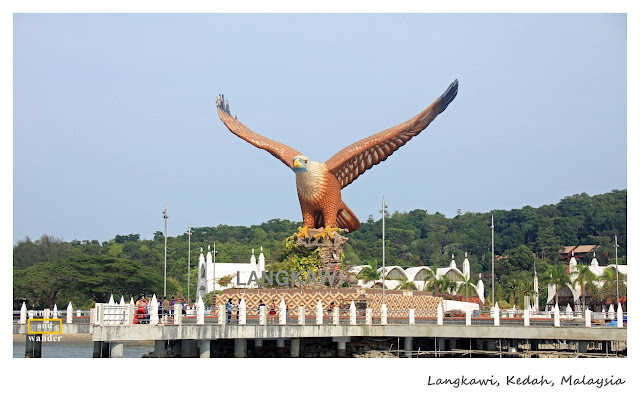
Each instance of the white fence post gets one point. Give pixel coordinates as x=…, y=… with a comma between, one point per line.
x=467, y=317
x=262, y=315
x=336, y=315
x=369, y=316
x=383, y=314
x=78, y=313
x=301, y=315
x=556, y=316
x=69, y=313
x=130, y=312
x=23, y=313
x=319, y=312
x=222, y=316
x=242, y=314
x=496, y=315
x=412, y=316
x=153, y=311
x=199, y=311
x=177, y=313
x=352, y=314
x=527, y=316
x=620, y=316
x=587, y=318
x=440, y=315
x=46, y=314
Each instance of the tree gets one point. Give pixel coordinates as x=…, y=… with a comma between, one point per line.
x=405, y=284
x=584, y=278
x=465, y=285
x=556, y=275
x=369, y=274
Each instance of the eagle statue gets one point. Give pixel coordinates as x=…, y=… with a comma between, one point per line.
x=319, y=184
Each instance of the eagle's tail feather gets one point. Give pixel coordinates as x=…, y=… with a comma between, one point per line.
x=347, y=219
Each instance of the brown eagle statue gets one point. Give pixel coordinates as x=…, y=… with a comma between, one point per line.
x=319, y=184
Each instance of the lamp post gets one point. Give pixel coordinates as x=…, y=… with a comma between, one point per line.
x=617, y=287
x=384, y=270
x=165, y=216
x=493, y=274
x=189, y=267
x=214, y=270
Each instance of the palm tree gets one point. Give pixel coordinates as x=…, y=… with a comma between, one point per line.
x=584, y=278
x=430, y=276
x=513, y=284
x=369, y=273
x=465, y=285
x=437, y=284
x=527, y=289
x=405, y=284
x=556, y=275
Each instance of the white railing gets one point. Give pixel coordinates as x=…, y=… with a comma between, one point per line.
x=199, y=314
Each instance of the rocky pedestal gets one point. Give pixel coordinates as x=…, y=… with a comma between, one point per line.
x=331, y=249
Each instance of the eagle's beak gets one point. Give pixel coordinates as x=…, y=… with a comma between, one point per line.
x=297, y=164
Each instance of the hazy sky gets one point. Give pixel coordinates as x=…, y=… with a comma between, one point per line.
x=114, y=115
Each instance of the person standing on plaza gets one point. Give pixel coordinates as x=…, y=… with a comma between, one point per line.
x=229, y=307
x=272, y=311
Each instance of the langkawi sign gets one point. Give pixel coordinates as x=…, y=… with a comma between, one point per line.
x=284, y=278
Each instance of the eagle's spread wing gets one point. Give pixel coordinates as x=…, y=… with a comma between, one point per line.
x=359, y=157
x=282, y=152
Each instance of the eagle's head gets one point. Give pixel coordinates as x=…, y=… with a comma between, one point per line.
x=300, y=164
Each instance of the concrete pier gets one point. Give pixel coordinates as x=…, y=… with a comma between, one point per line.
x=116, y=349
x=259, y=343
x=160, y=349
x=205, y=348
x=408, y=346
x=240, y=348
x=280, y=346
x=189, y=349
x=295, y=348
x=33, y=346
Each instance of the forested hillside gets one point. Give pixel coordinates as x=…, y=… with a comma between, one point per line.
x=49, y=270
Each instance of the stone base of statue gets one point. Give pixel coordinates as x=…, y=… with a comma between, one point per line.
x=330, y=253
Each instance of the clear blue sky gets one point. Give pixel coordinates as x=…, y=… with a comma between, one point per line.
x=115, y=114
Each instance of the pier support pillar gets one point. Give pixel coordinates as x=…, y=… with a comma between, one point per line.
x=441, y=344
x=259, y=342
x=205, y=348
x=280, y=346
x=33, y=346
x=295, y=348
x=491, y=345
x=408, y=346
x=97, y=349
x=188, y=349
x=240, y=348
x=342, y=345
x=453, y=343
x=116, y=350
x=582, y=347
x=105, y=349
x=160, y=349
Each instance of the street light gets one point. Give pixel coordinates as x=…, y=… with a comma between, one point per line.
x=493, y=274
x=165, y=216
x=617, y=289
x=384, y=270
x=189, y=267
